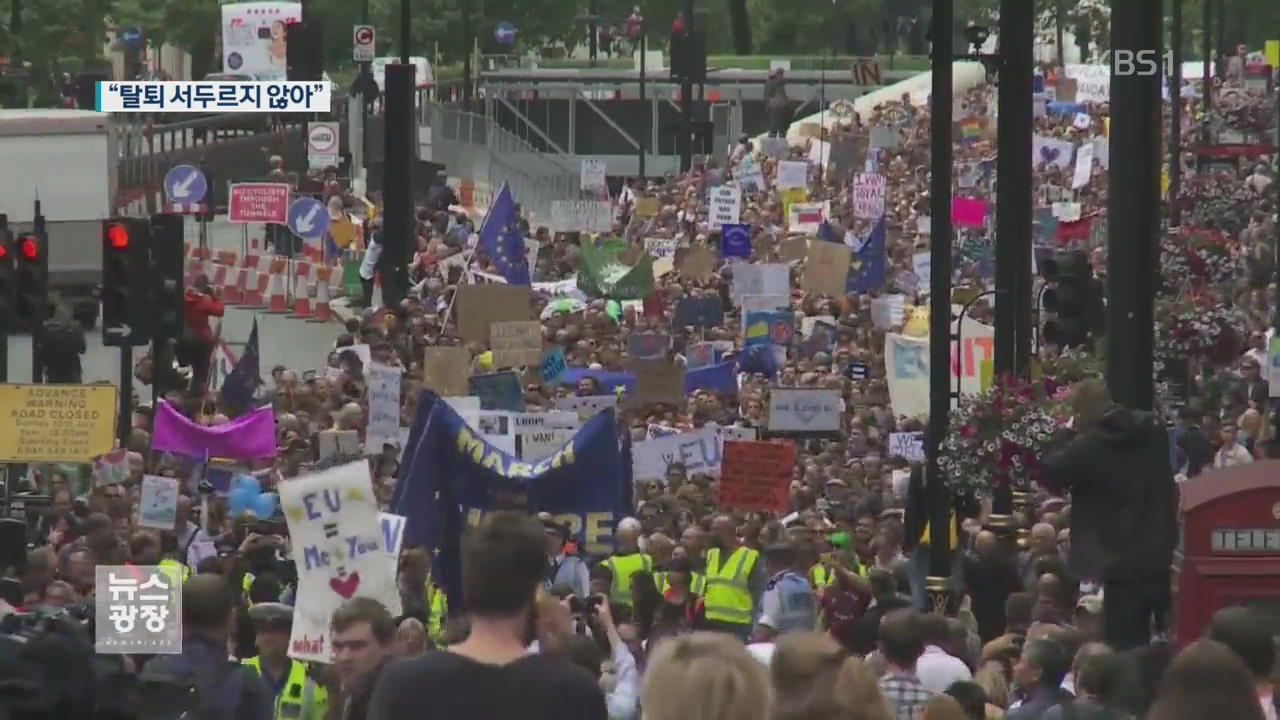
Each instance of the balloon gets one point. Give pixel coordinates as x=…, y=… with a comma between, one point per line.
x=264, y=506
x=240, y=500
x=247, y=482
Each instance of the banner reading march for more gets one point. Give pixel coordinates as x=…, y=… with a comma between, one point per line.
x=451, y=476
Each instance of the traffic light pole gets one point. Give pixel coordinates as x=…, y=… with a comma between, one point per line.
x=1133, y=207
x=686, y=94
x=124, y=421
x=37, y=322
x=1175, y=113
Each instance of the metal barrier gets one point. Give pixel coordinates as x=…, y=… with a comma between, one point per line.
x=475, y=147
x=226, y=147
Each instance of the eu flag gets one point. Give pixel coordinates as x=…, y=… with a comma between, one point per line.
x=735, y=241
x=243, y=380
x=868, y=267
x=501, y=240
x=501, y=213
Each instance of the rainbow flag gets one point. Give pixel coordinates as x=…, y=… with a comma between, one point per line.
x=970, y=129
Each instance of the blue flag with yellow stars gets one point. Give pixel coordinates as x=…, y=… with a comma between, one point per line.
x=867, y=268
x=502, y=241
x=240, y=384
x=450, y=476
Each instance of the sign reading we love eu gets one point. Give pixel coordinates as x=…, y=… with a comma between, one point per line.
x=804, y=410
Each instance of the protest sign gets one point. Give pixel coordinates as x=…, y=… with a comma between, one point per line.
x=698, y=312
x=725, y=207
x=587, y=406
x=907, y=445
x=698, y=451
x=392, y=536
x=653, y=431
x=516, y=344
x=807, y=217
x=552, y=366
x=57, y=423
x=1052, y=151
x=698, y=264
x=752, y=303
x=657, y=381
x=537, y=444
x=111, y=468
x=826, y=269
x=885, y=137
x=594, y=171
x=868, y=195
x=158, y=502
x=804, y=410
x=792, y=174
x=498, y=391
x=659, y=248
x=763, y=279
x=480, y=306
x=591, y=216
x=756, y=476
x=699, y=355
x=648, y=346
x=1084, y=166
x=337, y=542
x=451, y=477
x=907, y=366
x=1093, y=83
x=647, y=206
x=793, y=250
x=749, y=175
x=445, y=370
x=338, y=443
x=889, y=311
x=733, y=432
x=769, y=327
x=383, y=382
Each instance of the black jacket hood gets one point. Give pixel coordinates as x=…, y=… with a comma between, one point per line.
x=1123, y=427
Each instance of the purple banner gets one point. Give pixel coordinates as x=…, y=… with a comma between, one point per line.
x=248, y=437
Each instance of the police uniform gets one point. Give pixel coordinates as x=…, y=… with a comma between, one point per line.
x=437, y=610
x=728, y=595
x=623, y=567
x=297, y=696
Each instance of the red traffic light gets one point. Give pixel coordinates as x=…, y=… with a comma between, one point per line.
x=118, y=237
x=28, y=248
x=4, y=251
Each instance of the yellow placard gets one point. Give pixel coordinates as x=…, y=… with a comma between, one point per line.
x=1272, y=52
x=1164, y=182
x=57, y=423
x=986, y=373
x=792, y=195
x=1106, y=126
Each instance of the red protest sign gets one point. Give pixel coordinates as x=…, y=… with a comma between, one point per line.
x=756, y=475
x=259, y=202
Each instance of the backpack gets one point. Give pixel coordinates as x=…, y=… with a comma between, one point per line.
x=171, y=689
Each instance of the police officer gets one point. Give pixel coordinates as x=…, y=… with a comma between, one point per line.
x=297, y=695
x=788, y=603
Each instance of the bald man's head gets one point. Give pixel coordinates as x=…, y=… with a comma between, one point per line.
x=986, y=543
x=1044, y=539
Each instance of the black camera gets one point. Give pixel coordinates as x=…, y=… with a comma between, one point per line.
x=591, y=605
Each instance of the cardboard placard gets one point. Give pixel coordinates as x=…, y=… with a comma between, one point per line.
x=698, y=312
x=793, y=250
x=657, y=381
x=648, y=346
x=516, y=343
x=445, y=370
x=826, y=268
x=698, y=263
x=647, y=206
x=756, y=475
x=498, y=391
x=480, y=306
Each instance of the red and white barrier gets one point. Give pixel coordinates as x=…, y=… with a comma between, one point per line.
x=322, y=312
x=302, y=290
x=277, y=293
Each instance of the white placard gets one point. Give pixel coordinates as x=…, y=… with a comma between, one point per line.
x=594, y=172
x=595, y=216
x=392, y=534
x=698, y=450
x=907, y=445
x=1066, y=211
x=748, y=174
x=760, y=279
x=1081, y=121
x=733, y=432
x=158, y=502
x=1093, y=82
x=587, y=406
x=888, y=311
x=793, y=174
x=337, y=542
x=1084, y=166
x=660, y=247
x=725, y=206
x=1046, y=149
x=751, y=303
x=537, y=444
x=807, y=217
x=868, y=194
x=804, y=410
x=384, y=406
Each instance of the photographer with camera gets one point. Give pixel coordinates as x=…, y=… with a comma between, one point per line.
x=622, y=698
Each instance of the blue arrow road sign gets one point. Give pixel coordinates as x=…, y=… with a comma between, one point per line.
x=185, y=184
x=308, y=218
x=131, y=36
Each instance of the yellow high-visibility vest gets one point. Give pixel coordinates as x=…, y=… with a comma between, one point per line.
x=177, y=572
x=697, y=583
x=437, y=611
x=728, y=597
x=954, y=535
x=623, y=567
x=301, y=698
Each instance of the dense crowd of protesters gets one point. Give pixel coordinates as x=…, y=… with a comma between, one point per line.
x=700, y=613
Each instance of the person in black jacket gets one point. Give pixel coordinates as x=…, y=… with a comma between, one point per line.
x=1124, y=523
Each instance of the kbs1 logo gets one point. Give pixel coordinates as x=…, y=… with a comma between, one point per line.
x=1142, y=63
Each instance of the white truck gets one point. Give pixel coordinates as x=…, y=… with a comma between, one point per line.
x=66, y=159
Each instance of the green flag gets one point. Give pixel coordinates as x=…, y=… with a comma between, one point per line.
x=603, y=275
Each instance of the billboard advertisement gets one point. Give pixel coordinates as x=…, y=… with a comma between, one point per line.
x=254, y=40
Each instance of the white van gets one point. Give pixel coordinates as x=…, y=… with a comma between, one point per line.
x=424, y=76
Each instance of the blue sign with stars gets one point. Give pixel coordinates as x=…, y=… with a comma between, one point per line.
x=185, y=184
x=308, y=218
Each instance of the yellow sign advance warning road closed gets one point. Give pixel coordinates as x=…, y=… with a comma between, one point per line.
x=57, y=423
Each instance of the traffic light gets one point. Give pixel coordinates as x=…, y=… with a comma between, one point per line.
x=126, y=278
x=31, y=270
x=1074, y=297
x=8, y=279
x=166, y=275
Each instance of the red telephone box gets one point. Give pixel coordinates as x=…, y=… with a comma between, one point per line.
x=1229, y=550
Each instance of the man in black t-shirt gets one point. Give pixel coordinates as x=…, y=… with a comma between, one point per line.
x=491, y=675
